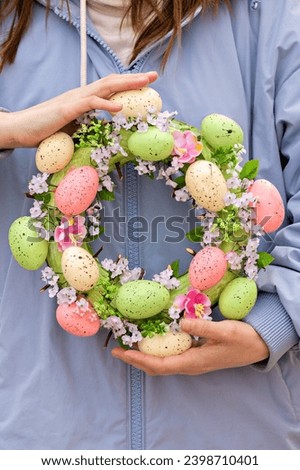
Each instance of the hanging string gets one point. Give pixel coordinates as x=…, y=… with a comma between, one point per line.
x=83, y=44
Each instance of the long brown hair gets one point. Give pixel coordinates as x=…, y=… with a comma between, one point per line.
x=168, y=17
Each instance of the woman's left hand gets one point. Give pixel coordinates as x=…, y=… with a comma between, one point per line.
x=223, y=345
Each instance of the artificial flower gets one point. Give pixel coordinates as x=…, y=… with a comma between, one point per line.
x=166, y=279
x=195, y=304
x=38, y=184
x=186, y=146
x=71, y=232
x=67, y=295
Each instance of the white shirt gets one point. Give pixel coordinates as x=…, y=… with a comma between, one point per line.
x=107, y=16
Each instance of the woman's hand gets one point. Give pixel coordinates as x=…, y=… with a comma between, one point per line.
x=223, y=345
x=29, y=127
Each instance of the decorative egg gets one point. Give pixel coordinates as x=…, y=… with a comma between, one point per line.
x=207, y=268
x=165, y=345
x=221, y=131
x=77, y=190
x=137, y=103
x=78, y=321
x=141, y=299
x=206, y=184
x=238, y=298
x=79, y=268
x=54, y=153
x=269, y=208
x=153, y=145
x=27, y=247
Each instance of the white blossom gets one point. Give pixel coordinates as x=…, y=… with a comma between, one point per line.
x=129, y=275
x=182, y=195
x=36, y=210
x=38, y=184
x=67, y=295
x=166, y=279
x=145, y=167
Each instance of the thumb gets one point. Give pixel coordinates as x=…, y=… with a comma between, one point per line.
x=203, y=328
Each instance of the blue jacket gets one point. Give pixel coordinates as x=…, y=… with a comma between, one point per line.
x=62, y=392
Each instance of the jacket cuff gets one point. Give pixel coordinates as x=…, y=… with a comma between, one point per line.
x=272, y=322
x=4, y=152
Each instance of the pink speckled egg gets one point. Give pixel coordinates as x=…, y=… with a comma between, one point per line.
x=207, y=268
x=78, y=321
x=269, y=208
x=77, y=190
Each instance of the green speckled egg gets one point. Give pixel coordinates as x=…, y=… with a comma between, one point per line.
x=27, y=247
x=238, y=298
x=141, y=299
x=221, y=131
x=153, y=145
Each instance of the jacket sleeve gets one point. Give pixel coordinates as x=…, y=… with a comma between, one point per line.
x=276, y=315
x=4, y=152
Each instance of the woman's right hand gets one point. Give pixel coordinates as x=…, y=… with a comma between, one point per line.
x=27, y=128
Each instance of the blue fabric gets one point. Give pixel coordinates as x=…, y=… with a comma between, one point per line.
x=63, y=392
x=4, y=153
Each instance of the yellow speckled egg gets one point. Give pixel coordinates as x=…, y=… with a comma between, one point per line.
x=168, y=344
x=54, y=153
x=77, y=190
x=206, y=184
x=79, y=268
x=138, y=102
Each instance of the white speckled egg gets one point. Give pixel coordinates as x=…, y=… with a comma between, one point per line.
x=77, y=190
x=206, y=184
x=165, y=345
x=54, y=153
x=137, y=102
x=79, y=268
x=207, y=268
x=269, y=208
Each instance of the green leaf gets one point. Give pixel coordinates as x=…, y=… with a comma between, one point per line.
x=175, y=268
x=47, y=198
x=106, y=195
x=195, y=235
x=250, y=170
x=180, y=180
x=264, y=259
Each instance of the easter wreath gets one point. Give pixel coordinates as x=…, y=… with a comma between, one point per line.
x=202, y=165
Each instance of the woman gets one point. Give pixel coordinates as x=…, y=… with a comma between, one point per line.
x=65, y=393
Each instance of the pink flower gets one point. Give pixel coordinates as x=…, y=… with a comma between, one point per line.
x=186, y=147
x=71, y=232
x=195, y=304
